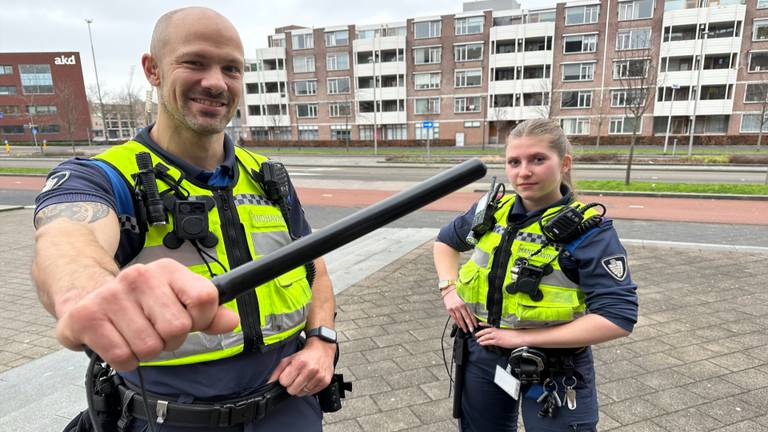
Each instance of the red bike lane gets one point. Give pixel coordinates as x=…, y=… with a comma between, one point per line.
x=722, y=211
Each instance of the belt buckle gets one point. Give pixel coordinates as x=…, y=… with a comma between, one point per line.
x=531, y=357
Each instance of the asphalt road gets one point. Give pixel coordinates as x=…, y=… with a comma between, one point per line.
x=371, y=172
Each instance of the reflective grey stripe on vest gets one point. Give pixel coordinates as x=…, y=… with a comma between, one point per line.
x=478, y=309
x=265, y=242
x=253, y=199
x=187, y=255
x=201, y=343
x=499, y=229
x=559, y=279
x=480, y=257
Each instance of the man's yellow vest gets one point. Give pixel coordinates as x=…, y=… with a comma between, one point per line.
x=563, y=300
x=282, y=303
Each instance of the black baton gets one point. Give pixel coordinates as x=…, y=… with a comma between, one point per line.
x=250, y=275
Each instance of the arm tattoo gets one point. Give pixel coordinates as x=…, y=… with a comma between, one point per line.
x=88, y=212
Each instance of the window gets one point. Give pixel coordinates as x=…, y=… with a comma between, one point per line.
x=630, y=69
x=427, y=133
x=276, y=42
x=41, y=109
x=303, y=41
x=6, y=70
x=466, y=104
x=10, y=110
x=633, y=39
x=576, y=99
x=426, y=81
x=469, y=25
x=305, y=87
x=12, y=129
x=36, y=79
x=341, y=132
x=337, y=38
x=254, y=110
x=751, y=123
x=541, y=16
x=631, y=97
x=622, y=125
x=676, y=64
x=394, y=31
x=306, y=110
x=580, y=43
x=468, y=78
x=711, y=124
x=471, y=124
x=468, y=52
x=426, y=105
x=7, y=90
x=637, y=9
x=715, y=92
x=755, y=93
x=758, y=61
x=582, y=14
x=337, y=61
x=366, y=132
x=762, y=4
x=575, y=126
x=760, y=30
x=578, y=71
x=340, y=109
x=536, y=99
x=428, y=55
x=309, y=133
x=338, y=85
x=54, y=128
x=303, y=64
x=427, y=29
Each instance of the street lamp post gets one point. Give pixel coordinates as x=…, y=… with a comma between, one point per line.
x=669, y=118
x=98, y=86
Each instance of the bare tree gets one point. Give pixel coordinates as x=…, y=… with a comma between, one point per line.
x=68, y=111
x=637, y=77
x=131, y=102
x=761, y=91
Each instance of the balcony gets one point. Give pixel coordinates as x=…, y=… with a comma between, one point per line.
x=685, y=108
x=266, y=99
x=269, y=120
x=690, y=78
x=265, y=76
x=731, y=12
x=529, y=30
x=516, y=113
x=520, y=86
x=398, y=117
x=379, y=43
x=521, y=58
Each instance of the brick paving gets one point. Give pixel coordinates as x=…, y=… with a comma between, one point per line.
x=697, y=361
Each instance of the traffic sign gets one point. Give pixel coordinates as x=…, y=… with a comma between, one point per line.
x=1, y=115
x=427, y=124
x=34, y=131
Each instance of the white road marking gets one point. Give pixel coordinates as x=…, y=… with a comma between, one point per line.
x=636, y=206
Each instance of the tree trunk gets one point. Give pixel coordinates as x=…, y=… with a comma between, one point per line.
x=759, y=138
x=629, y=160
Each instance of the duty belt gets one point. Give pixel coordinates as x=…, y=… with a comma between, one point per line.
x=200, y=414
x=533, y=365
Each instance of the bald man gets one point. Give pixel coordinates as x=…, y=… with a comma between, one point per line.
x=134, y=286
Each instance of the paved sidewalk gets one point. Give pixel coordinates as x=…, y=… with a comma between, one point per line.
x=697, y=361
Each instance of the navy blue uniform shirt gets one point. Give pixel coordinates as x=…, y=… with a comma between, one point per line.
x=587, y=262
x=88, y=181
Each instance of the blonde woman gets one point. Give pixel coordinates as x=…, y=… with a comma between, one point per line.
x=548, y=277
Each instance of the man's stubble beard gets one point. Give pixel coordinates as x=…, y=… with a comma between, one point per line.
x=190, y=121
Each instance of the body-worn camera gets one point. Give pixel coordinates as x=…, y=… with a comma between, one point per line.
x=331, y=396
x=190, y=221
x=527, y=277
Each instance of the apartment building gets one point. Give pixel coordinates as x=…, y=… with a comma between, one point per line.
x=599, y=67
x=42, y=97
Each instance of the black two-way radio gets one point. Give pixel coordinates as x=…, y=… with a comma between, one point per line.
x=484, y=220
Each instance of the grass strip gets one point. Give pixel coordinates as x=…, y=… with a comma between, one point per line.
x=703, y=188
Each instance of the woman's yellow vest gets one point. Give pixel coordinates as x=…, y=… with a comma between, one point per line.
x=272, y=312
x=563, y=300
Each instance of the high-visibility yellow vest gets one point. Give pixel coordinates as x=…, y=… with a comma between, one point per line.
x=563, y=300
x=282, y=303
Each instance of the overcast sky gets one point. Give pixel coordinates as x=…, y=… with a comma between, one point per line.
x=122, y=29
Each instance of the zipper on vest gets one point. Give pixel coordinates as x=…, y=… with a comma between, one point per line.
x=497, y=274
x=238, y=254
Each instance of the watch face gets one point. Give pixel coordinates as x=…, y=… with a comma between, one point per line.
x=328, y=334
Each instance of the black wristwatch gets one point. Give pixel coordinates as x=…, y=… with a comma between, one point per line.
x=325, y=334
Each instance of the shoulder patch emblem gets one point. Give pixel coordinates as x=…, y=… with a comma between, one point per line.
x=616, y=266
x=55, y=181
